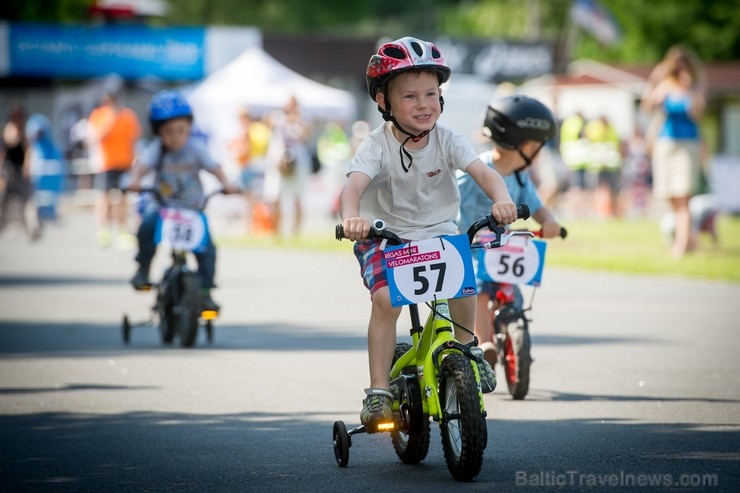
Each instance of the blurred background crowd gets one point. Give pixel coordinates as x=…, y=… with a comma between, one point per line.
x=278, y=91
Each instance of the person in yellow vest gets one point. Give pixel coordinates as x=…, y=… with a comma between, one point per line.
x=605, y=162
x=574, y=151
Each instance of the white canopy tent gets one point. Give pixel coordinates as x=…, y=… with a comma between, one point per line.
x=256, y=81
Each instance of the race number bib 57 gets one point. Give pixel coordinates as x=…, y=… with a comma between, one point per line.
x=182, y=229
x=439, y=268
x=520, y=261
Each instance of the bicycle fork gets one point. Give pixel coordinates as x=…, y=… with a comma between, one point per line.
x=430, y=344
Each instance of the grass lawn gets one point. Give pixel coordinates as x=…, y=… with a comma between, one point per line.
x=636, y=246
x=629, y=246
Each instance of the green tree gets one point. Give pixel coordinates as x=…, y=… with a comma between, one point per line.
x=649, y=27
x=44, y=10
x=710, y=27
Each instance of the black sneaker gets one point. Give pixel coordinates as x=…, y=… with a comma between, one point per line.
x=140, y=281
x=207, y=304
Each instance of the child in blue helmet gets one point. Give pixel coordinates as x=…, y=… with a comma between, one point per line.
x=176, y=160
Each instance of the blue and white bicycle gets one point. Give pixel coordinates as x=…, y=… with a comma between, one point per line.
x=177, y=305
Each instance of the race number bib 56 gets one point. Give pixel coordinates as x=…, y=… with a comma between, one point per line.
x=439, y=268
x=520, y=261
x=182, y=229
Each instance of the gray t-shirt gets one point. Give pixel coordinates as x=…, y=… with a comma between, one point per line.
x=177, y=176
x=422, y=203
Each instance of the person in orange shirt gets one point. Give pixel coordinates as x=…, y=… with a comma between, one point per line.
x=114, y=130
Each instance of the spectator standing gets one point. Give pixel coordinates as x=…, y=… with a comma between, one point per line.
x=294, y=166
x=574, y=150
x=250, y=150
x=15, y=183
x=45, y=166
x=675, y=96
x=114, y=130
x=636, y=175
x=605, y=162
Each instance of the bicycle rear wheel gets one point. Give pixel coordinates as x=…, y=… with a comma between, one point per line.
x=411, y=444
x=463, y=426
x=517, y=358
x=188, y=308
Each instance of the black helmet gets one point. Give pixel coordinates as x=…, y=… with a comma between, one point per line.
x=512, y=120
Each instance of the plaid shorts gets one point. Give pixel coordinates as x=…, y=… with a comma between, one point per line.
x=372, y=268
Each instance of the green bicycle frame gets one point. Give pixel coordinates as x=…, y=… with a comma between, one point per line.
x=429, y=345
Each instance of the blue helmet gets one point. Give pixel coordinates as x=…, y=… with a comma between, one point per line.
x=166, y=105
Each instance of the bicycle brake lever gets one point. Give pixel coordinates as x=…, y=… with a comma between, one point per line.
x=507, y=236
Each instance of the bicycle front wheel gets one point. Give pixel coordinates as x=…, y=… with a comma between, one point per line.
x=166, y=313
x=463, y=426
x=517, y=345
x=188, y=308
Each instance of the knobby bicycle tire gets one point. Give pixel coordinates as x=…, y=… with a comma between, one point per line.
x=464, y=433
x=188, y=308
x=517, y=358
x=411, y=445
x=166, y=312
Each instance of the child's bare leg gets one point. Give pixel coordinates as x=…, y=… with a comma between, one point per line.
x=484, y=328
x=462, y=311
x=381, y=338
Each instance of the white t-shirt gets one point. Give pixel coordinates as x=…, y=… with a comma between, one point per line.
x=424, y=202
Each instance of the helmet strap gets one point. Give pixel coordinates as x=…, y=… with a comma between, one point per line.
x=528, y=159
x=518, y=174
x=527, y=162
x=413, y=138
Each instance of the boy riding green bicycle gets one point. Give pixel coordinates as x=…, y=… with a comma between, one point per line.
x=404, y=174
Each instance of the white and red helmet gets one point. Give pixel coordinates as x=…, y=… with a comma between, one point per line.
x=404, y=55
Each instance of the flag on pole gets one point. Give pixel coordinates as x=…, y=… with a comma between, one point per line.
x=591, y=16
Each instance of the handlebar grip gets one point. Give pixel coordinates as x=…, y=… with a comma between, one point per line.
x=339, y=232
x=522, y=211
x=563, y=232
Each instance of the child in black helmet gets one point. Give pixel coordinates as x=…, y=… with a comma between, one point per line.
x=404, y=174
x=519, y=127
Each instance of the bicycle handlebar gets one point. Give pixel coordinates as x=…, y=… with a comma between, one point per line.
x=158, y=195
x=378, y=231
x=563, y=233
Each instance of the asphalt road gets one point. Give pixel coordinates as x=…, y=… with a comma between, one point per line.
x=635, y=384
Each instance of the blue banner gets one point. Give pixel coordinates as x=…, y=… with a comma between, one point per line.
x=73, y=51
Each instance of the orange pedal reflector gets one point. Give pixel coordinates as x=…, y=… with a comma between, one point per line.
x=386, y=426
x=209, y=314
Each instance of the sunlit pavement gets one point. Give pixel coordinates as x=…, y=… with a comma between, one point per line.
x=635, y=378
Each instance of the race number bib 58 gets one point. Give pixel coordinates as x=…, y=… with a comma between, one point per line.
x=182, y=229
x=439, y=268
x=520, y=261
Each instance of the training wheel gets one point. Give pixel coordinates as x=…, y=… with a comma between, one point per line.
x=126, y=328
x=341, y=444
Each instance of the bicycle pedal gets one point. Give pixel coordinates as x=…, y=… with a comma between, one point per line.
x=381, y=427
x=209, y=314
x=145, y=287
